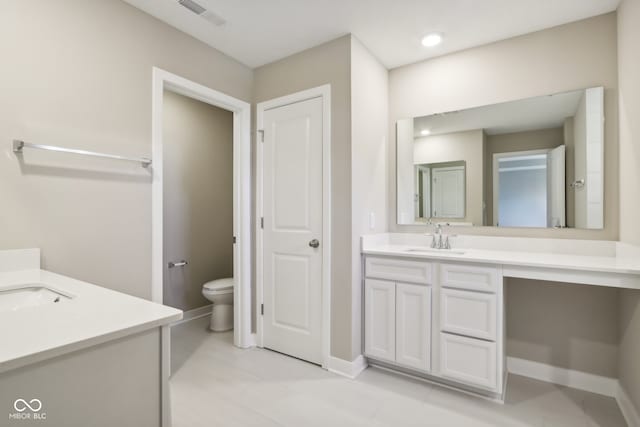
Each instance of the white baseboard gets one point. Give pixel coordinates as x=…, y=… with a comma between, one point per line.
x=196, y=313
x=346, y=368
x=253, y=340
x=575, y=379
x=628, y=409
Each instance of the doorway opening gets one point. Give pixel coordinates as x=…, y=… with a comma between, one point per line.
x=529, y=188
x=181, y=90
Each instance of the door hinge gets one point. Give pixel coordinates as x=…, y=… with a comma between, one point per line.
x=262, y=222
x=261, y=132
x=262, y=309
x=234, y=240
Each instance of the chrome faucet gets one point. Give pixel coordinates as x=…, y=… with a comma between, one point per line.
x=438, y=241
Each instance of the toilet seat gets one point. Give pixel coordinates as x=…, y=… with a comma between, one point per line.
x=206, y=291
x=219, y=286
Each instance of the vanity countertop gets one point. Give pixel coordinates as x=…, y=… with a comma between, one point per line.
x=549, y=254
x=92, y=316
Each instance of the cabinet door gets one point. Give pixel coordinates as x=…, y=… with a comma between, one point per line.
x=380, y=319
x=413, y=326
x=469, y=361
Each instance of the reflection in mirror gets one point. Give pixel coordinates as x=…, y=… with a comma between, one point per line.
x=441, y=190
x=536, y=162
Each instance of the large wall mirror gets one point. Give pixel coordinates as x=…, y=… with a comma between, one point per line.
x=536, y=162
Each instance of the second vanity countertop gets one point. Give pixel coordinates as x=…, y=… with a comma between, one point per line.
x=579, y=255
x=92, y=316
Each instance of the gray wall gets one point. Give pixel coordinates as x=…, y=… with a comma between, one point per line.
x=329, y=63
x=74, y=80
x=629, y=70
x=198, y=197
x=112, y=384
x=565, y=325
x=519, y=141
x=568, y=57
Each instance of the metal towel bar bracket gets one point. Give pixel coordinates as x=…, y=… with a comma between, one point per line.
x=19, y=145
x=173, y=264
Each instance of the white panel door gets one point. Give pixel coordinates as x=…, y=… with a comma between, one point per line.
x=556, y=179
x=448, y=192
x=413, y=326
x=292, y=209
x=380, y=319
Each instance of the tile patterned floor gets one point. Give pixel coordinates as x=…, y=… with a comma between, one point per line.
x=216, y=384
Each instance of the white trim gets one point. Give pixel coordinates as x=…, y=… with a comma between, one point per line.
x=440, y=382
x=496, y=176
x=524, y=168
x=165, y=374
x=325, y=93
x=347, y=369
x=241, y=192
x=253, y=339
x=194, y=314
x=629, y=411
x=567, y=377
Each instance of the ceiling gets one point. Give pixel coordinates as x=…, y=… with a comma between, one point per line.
x=258, y=32
x=542, y=112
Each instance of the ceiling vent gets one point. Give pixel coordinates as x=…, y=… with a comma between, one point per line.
x=203, y=12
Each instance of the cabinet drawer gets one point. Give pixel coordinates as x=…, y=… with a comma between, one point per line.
x=468, y=313
x=472, y=277
x=469, y=361
x=399, y=270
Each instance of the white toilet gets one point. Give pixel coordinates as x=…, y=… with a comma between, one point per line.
x=220, y=293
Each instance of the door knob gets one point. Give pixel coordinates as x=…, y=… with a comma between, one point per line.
x=314, y=243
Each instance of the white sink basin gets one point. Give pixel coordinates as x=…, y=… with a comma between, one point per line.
x=435, y=251
x=29, y=295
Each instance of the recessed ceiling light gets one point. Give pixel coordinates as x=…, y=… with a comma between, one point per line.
x=425, y=132
x=431, y=40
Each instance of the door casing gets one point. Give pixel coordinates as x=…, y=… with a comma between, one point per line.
x=161, y=80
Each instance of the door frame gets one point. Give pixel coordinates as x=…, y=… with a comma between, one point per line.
x=323, y=92
x=241, y=110
x=496, y=176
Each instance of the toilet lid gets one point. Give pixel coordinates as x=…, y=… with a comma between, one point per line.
x=219, y=284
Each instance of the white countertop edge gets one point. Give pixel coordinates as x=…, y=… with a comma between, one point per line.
x=580, y=262
x=63, y=349
x=97, y=298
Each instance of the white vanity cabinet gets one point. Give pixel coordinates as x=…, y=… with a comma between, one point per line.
x=471, y=325
x=398, y=314
x=439, y=319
